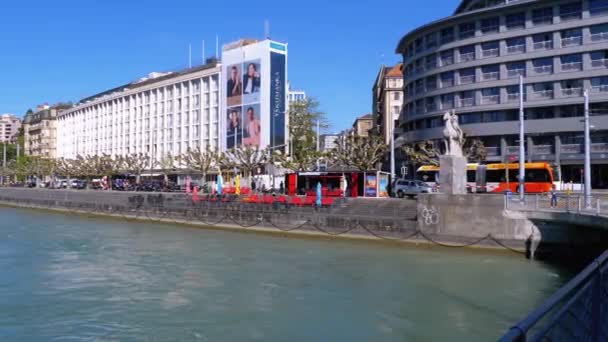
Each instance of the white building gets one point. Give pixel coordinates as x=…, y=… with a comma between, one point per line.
x=9, y=127
x=159, y=114
x=296, y=95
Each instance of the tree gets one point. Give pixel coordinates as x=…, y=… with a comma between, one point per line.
x=136, y=164
x=303, y=118
x=362, y=153
x=247, y=158
x=201, y=161
x=166, y=164
x=475, y=150
x=427, y=153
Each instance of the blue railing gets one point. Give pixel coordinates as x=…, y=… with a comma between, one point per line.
x=576, y=312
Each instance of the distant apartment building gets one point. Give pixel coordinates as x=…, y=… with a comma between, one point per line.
x=328, y=142
x=363, y=125
x=9, y=127
x=40, y=132
x=387, y=97
x=296, y=95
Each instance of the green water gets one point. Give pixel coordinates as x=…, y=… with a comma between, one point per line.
x=76, y=278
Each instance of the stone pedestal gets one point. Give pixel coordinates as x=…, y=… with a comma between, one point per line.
x=453, y=175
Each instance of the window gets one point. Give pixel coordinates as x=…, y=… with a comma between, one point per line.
x=467, y=53
x=447, y=57
x=489, y=49
x=490, y=72
x=542, y=16
x=490, y=25
x=543, y=41
x=467, y=76
x=396, y=110
x=513, y=93
x=447, y=79
x=447, y=35
x=571, y=11
x=490, y=96
x=430, y=104
x=599, y=33
x=470, y=118
x=516, y=69
x=431, y=83
x=419, y=87
x=571, y=37
x=419, y=66
x=431, y=62
x=538, y=114
x=516, y=21
x=599, y=84
x=572, y=62
x=598, y=7
x=599, y=59
x=418, y=45
x=431, y=40
x=467, y=98
x=396, y=96
x=467, y=30
x=572, y=88
x=447, y=101
x=542, y=90
x=516, y=45
x=543, y=66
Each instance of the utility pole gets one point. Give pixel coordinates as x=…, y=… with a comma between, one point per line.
x=392, y=132
x=587, y=154
x=522, y=151
x=318, y=142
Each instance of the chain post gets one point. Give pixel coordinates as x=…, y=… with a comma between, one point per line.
x=598, y=206
x=578, y=209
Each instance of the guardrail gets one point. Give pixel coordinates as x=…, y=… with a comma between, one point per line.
x=576, y=312
x=561, y=203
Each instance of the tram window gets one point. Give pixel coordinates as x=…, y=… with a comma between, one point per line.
x=537, y=176
x=471, y=176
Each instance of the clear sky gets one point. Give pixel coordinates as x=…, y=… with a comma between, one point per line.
x=61, y=50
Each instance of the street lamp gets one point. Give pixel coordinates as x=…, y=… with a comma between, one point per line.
x=587, y=154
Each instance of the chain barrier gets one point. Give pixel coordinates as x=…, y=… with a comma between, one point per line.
x=214, y=214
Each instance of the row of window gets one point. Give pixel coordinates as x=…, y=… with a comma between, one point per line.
x=512, y=21
x=516, y=45
x=511, y=115
x=535, y=67
x=494, y=95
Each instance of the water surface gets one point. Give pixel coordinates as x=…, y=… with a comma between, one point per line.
x=78, y=278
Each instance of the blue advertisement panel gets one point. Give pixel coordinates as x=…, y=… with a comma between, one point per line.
x=277, y=99
x=371, y=185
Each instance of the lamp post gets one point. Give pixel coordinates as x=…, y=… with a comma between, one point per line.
x=392, y=132
x=587, y=154
x=522, y=152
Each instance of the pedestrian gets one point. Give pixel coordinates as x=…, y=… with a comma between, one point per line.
x=281, y=188
x=253, y=186
x=553, y=197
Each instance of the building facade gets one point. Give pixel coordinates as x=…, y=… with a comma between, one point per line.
x=40, y=132
x=296, y=96
x=9, y=128
x=471, y=62
x=328, y=142
x=164, y=113
x=387, y=98
x=363, y=125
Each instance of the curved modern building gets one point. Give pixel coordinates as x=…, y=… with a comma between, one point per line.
x=471, y=62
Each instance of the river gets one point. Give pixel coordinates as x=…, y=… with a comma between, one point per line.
x=80, y=278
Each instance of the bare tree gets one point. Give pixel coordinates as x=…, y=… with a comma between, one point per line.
x=202, y=161
x=247, y=158
x=136, y=164
x=166, y=164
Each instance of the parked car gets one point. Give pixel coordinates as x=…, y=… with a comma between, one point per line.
x=411, y=188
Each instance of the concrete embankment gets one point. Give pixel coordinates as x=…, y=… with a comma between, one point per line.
x=476, y=221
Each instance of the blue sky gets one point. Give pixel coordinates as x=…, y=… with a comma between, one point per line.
x=53, y=51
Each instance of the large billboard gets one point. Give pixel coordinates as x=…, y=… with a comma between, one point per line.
x=254, y=94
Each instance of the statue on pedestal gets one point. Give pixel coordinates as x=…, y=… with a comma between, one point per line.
x=453, y=135
x=453, y=164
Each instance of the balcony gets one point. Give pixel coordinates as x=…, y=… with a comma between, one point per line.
x=468, y=102
x=542, y=95
x=419, y=70
x=574, y=66
x=572, y=92
x=603, y=88
x=513, y=97
x=512, y=150
x=446, y=61
x=599, y=37
x=571, y=148
x=545, y=45
x=493, y=151
x=544, y=20
x=430, y=108
x=447, y=105
x=489, y=53
x=490, y=100
x=490, y=76
x=599, y=148
x=516, y=73
x=543, y=70
x=447, y=39
x=572, y=41
x=516, y=49
x=574, y=15
x=466, y=57
x=447, y=83
x=467, y=79
x=467, y=34
x=599, y=63
x=431, y=65
x=542, y=149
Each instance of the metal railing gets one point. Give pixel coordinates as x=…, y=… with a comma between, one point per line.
x=564, y=203
x=576, y=312
x=516, y=48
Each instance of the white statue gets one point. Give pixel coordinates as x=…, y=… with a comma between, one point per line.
x=453, y=135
